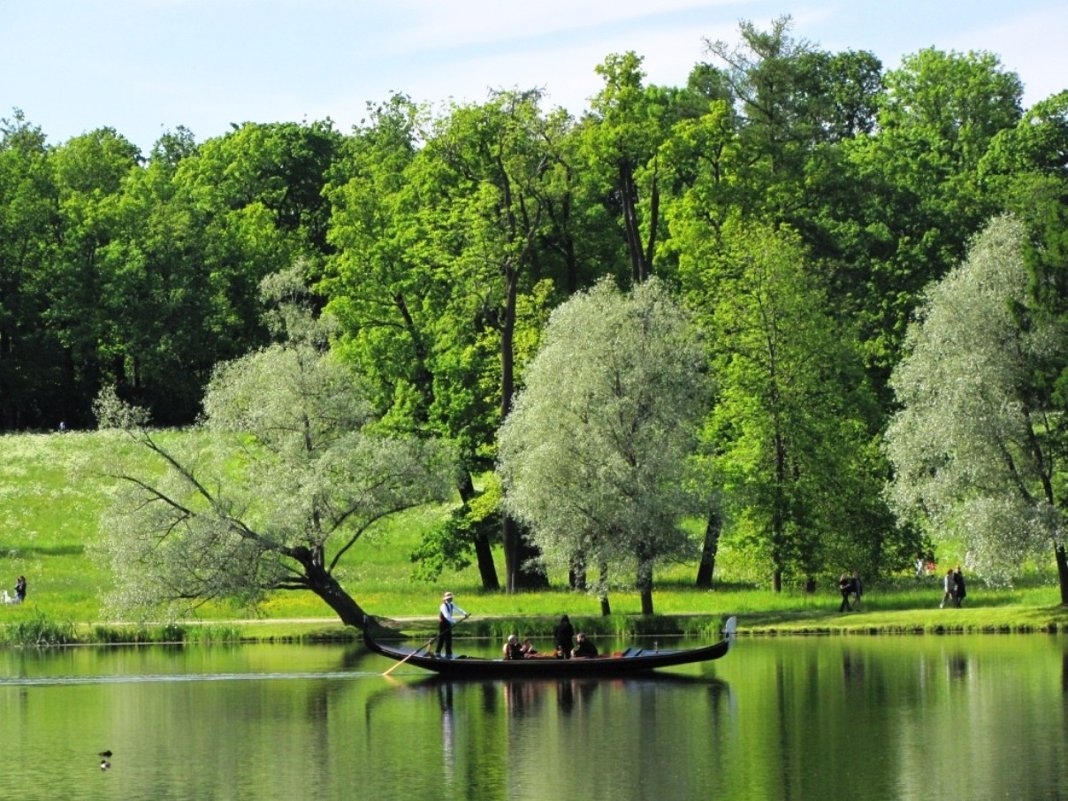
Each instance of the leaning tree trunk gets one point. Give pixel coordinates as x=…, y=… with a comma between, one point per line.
x=322, y=582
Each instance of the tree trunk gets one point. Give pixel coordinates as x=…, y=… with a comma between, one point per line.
x=487, y=570
x=518, y=552
x=628, y=198
x=647, y=600
x=510, y=541
x=602, y=593
x=323, y=584
x=644, y=581
x=713, y=527
x=576, y=574
x=1062, y=572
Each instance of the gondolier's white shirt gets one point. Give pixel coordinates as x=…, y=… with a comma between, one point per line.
x=448, y=610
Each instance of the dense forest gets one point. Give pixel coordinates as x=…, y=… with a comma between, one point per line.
x=797, y=204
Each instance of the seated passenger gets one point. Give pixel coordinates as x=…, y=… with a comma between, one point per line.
x=527, y=647
x=512, y=648
x=583, y=646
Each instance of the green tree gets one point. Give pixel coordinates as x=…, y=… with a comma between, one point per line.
x=389, y=288
x=31, y=356
x=289, y=474
x=794, y=102
x=979, y=443
x=448, y=256
x=159, y=298
x=790, y=435
x=594, y=452
x=621, y=138
x=90, y=171
x=916, y=195
x=1024, y=167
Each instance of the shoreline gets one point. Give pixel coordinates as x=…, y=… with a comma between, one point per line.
x=937, y=622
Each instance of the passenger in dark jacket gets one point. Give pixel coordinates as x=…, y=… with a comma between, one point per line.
x=584, y=647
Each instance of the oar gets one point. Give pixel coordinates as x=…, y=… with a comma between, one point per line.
x=421, y=647
x=409, y=656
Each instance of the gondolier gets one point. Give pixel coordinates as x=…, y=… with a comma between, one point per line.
x=447, y=614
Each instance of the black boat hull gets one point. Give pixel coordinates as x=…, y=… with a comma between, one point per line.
x=633, y=660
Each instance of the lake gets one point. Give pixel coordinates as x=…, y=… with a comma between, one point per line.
x=918, y=717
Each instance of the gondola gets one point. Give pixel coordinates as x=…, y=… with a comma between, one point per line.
x=632, y=660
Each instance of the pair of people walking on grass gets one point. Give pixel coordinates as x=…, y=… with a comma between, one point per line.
x=953, y=589
x=851, y=589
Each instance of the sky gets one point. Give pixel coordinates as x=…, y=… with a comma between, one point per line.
x=145, y=67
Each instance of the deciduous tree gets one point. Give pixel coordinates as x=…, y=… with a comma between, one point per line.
x=979, y=444
x=593, y=455
x=790, y=434
x=290, y=472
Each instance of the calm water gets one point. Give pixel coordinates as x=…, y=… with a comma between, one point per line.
x=955, y=718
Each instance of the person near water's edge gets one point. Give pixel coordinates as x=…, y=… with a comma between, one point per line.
x=959, y=590
x=447, y=613
x=845, y=587
x=949, y=590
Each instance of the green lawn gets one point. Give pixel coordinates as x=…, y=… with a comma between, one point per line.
x=53, y=488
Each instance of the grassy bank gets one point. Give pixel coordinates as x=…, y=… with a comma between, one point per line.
x=53, y=488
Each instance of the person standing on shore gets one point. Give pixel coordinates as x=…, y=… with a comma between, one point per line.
x=958, y=587
x=845, y=586
x=447, y=613
x=948, y=592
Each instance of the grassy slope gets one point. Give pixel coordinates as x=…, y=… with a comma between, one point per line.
x=53, y=487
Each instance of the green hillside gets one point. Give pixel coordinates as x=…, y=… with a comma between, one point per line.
x=54, y=486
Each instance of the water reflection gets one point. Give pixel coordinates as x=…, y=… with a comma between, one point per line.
x=538, y=737
x=895, y=718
